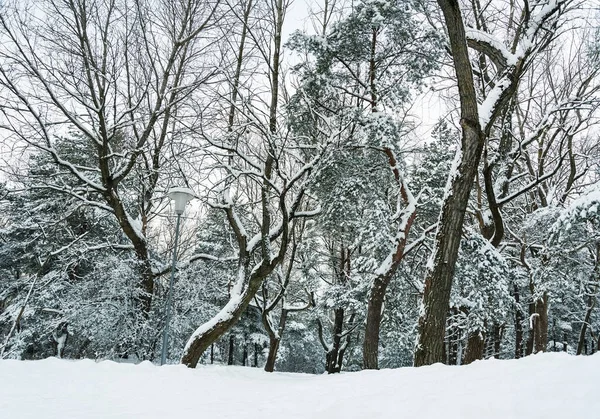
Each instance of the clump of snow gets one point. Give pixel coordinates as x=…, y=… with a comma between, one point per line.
x=548, y=386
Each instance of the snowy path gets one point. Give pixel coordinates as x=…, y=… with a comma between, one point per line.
x=545, y=386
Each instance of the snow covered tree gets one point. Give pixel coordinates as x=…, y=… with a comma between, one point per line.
x=362, y=71
x=116, y=76
x=528, y=35
x=264, y=174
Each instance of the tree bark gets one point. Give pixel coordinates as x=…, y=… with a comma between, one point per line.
x=540, y=325
x=374, y=314
x=518, y=325
x=498, y=333
x=272, y=356
x=591, y=304
x=274, y=340
x=332, y=362
x=245, y=352
x=198, y=344
x=475, y=347
x=383, y=278
x=438, y=279
x=529, y=347
x=231, y=348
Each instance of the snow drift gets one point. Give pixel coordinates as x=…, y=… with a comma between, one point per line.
x=547, y=386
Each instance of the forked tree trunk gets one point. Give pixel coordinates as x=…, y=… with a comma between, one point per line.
x=333, y=362
x=438, y=278
x=230, y=314
x=274, y=340
x=140, y=247
x=334, y=353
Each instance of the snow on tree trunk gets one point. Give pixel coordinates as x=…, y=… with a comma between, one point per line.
x=242, y=294
x=440, y=270
x=476, y=123
x=387, y=269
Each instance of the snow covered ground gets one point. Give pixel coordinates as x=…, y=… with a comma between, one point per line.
x=545, y=386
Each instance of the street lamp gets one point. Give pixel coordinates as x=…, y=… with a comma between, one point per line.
x=181, y=196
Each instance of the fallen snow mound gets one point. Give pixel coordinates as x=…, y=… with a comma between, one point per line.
x=542, y=386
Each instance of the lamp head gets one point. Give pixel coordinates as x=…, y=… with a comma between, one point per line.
x=181, y=196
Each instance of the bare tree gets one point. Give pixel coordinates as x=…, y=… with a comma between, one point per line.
x=263, y=166
x=110, y=77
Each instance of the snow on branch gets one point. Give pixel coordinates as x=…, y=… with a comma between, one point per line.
x=490, y=46
x=510, y=65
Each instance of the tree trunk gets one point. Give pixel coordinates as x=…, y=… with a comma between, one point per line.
x=272, y=356
x=530, y=339
x=332, y=361
x=540, y=325
x=245, y=352
x=383, y=278
x=274, y=339
x=230, y=352
x=230, y=314
x=374, y=314
x=475, y=347
x=591, y=303
x=498, y=332
x=60, y=336
x=453, y=337
x=518, y=325
x=438, y=278
x=248, y=284
x=452, y=355
x=140, y=247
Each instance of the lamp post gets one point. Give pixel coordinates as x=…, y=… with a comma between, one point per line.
x=181, y=196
